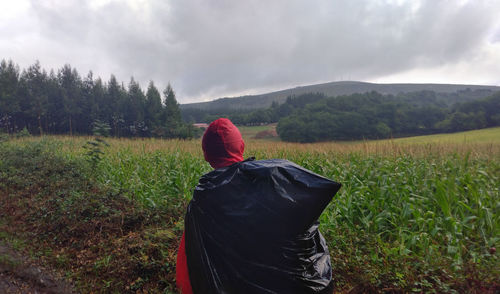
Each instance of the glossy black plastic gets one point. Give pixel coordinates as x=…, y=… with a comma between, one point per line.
x=252, y=227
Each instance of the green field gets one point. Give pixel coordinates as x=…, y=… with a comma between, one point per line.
x=249, y=132
x=490, y=135
x=410, y=217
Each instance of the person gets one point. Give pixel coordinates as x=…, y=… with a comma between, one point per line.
x=222, y=146
x=252, y=225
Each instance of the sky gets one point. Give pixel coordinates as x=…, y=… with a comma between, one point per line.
x=224, y=48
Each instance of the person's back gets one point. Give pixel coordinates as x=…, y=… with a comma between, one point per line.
x=252, y=225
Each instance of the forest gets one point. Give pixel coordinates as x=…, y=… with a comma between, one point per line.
x=62, y=102
x=315, y=117
x=374, y=116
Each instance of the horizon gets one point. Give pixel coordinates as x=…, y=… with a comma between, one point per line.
x=226, y=49
x=345, y=81
x=271, y=90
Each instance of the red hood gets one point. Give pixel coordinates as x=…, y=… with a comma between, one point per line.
x=222, y=143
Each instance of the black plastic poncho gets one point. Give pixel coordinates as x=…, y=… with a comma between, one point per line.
x=252, y=227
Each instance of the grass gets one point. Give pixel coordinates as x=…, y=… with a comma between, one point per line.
x=249, y=132
x=99, y=237
x=412, y=217
x=490, y=135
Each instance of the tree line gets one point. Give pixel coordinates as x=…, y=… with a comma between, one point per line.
x=63, y=102
x=245, y=116
x=376, y=116
x=315, y=117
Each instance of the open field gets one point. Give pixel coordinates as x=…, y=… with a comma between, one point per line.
x=490, y=135
x=411, y=216
x=250, y=132
x=485, y=142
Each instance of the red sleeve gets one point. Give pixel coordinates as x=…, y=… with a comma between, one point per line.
x=182, y=274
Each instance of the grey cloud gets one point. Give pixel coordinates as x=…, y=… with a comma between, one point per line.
x=225, y=47
x=299, y=42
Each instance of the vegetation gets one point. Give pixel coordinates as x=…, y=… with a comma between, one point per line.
x=409, y=217
x=489, y=135
x=316, y=117
x=372, y=116
x=450, y=92
x=100, y=239
x=64, y=103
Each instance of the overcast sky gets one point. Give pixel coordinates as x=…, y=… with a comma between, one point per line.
x=217, y=48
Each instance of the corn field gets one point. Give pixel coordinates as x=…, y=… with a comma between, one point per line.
x=413, y=215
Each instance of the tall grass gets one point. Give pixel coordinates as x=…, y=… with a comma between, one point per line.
x=405, y=212
x=159, y=178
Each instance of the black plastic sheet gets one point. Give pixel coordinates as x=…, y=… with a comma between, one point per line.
x=252, y=227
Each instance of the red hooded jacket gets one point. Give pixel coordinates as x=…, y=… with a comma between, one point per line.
x=222, y=146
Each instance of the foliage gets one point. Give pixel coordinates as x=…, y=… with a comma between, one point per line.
x=430, y=212
x=447, y=94
x=409, y=218
x=315, y=117
x=94, y=150
x=66, y=103
x=3, y=137
x=372, y=116
x=20, y=134
x=102, y=240
x=100, y=128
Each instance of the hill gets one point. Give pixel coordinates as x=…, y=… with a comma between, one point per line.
x=337, y=89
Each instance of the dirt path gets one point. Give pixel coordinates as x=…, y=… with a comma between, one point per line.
x=18, y=275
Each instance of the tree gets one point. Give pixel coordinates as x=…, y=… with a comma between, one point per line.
x=56, y=117
x=35, y=100
x=114, y=100
x=134, y=109
x=9, y=104
x=153, y=109
x=71, y=87
x=88, y=105
x=172, y=113
x=99, y=110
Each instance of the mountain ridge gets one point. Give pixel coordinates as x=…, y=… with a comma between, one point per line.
x=338, y=88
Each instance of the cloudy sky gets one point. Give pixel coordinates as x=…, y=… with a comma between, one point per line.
x=211, y=49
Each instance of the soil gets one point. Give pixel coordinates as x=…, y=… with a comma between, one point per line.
x=19, y=275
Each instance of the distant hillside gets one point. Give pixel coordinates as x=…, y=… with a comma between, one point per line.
x=334, y=89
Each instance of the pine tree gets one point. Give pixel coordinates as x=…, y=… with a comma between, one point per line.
x=65, y=103
x=88, y=113
x=153, y=110
x=114, y=103
x=134, y=115
x=71, y=86
x=35, y=102
x=9, y=104
x=56, y=117
x=172, y=112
